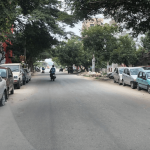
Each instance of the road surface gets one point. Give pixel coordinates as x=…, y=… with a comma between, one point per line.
x=75, y=113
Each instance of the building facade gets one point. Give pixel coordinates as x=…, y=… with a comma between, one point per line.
x=94, y=21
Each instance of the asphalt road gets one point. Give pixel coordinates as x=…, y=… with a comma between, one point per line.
x=75, y=113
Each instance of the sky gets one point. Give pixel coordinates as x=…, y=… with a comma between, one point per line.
x=49, y=61
x=78, y=27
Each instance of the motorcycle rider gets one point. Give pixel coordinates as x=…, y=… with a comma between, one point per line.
x=52, y=71
x=43, y=69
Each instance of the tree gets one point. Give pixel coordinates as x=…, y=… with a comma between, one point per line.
x=37, y=28
x=100, y=41
x=69, y=53
x=134, y=13
x=7, y=16
x=145, y=42
x=125, y=51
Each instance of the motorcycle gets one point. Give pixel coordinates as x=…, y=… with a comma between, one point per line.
x=53, y=77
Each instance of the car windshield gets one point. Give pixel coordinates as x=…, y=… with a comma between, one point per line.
x=148, y=75
x=135, y=71
x=121, y=70
x=14, y=68
x=3, y=73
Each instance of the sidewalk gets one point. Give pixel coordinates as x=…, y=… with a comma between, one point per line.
x=96, y=76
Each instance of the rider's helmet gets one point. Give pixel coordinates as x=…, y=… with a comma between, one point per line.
x=52, y=65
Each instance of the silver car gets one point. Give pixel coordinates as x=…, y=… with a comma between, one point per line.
x=129, y=76
x=3, y=91
x=118, y=74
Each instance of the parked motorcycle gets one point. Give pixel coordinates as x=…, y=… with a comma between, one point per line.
x=37, y=69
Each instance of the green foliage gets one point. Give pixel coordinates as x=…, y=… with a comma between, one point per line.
x=100, y=41
x=145, y=41
x=36, y=25
x=139, y=53
x=69, y=53
x=134, y=13
x=7, y=17
x=125, y=51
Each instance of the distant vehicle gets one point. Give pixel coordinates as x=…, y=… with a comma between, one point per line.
x=16, y=69
x=28, y=74
x=70, y=70
x=129, y=76
x=61, y=70
x=110, y=75
x=143, y=80
x=118, y=74
x=7, y=75
x=43, y=70
x=3, y=91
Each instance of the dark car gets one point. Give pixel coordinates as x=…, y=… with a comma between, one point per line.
x=61, y=70
x=70, y=70
x=6, y=74
x=24, y=76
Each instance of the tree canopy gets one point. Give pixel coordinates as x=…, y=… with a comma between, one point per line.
x=134, y=14
x=100, y=40
x=37, y=27
x=125, y=51
x=69, y=53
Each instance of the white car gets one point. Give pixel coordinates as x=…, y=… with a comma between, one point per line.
x=129, y=76
x=3, y=91
x=118, y=74
x=16, y=69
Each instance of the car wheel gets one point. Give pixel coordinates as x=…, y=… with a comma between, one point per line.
x=119, y=82
x=138, y=87
x=148, y=89
x=132, y=85
x=7, y=94
x=123, y=83
x=18, y=85
x=114, y=80
x=3, y=99
x=12, y=91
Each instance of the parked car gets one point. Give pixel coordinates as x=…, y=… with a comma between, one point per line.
x=118, y=74
x=28, y=74
x=146, y=68
x=129, y=76
x=143, y=80
x=61, y=70
x=24, y=76
x=110, y=75
x=7, y=75
x=3, y=91
x=16, y=69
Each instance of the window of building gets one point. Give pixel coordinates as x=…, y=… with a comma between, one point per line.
x=91, y=25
